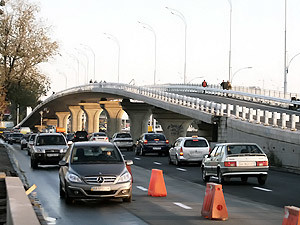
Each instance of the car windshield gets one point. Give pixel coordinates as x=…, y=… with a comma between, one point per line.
x=95, y=154
x=195, y=143
x=154, y=137
x=50, y=140
x=123, y=136
x=243, y=149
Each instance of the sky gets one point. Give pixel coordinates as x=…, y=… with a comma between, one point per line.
x=257, y=41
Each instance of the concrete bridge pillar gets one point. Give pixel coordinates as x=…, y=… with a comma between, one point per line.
x=76, y=118
x=92, y=111
x=114, y=116
x=63, y=119
x=174, y=125
x=139, y=114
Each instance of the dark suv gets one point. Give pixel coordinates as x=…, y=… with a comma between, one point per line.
x=80, y=136
x=152, y=143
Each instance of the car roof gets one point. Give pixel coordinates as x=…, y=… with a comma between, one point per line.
x=236, y=143
x=92, y=143
x=47, y=134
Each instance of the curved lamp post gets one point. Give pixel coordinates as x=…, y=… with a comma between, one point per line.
x=113, y=38
x=79, y=51
x=230, y=24
x=194, y=79
x=148, y=27
x=249, y=67
x=91, y=50
x=181, y=16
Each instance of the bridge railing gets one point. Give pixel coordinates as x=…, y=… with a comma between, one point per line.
x=258, y=116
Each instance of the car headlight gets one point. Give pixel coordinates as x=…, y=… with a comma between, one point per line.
x=125, y=177
x=63, y=150
x=73, y=178
x=38, y=150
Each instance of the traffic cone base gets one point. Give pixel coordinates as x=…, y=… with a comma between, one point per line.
x=291, y=215
x=157, y=187
x=214, y=206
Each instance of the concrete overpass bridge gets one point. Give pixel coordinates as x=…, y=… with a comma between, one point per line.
x=276, y=132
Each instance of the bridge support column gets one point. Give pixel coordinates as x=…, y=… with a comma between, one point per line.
x=92, y=111
x=76, y=118
x=114, y=116
x=174, y=125
x=63, y=119
x=139, y=114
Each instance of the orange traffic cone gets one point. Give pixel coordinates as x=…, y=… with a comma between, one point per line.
x=214, y=206
x=128, y=167
x=291, y=215
x=157, y=187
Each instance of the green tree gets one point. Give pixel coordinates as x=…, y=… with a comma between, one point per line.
x=24, y=44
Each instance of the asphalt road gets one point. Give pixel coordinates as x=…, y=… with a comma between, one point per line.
x=247, y=203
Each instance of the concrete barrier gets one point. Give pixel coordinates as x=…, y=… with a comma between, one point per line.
x=19, y=207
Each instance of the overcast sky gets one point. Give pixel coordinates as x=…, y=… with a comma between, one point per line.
x=257, y=41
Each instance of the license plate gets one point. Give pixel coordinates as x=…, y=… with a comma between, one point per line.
x=246, y=163
x=156, y=148
x=100, y=188
x=52, y=155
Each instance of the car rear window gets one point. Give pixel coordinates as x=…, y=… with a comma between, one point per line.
x=81, y=133
x=50, y=140
x=243, y=149
x=17, y=135
x=99, y=134
x=95, y=154
x=123, y=136
x=152, y=137
x=195, y=143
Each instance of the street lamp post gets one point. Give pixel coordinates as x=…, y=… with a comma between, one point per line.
x=94, y=55
x=181, y=16
x=230, y=25
x=87, y=63
x=249, y=67
x=113, y=38
x=148, y=27
x=66, y=78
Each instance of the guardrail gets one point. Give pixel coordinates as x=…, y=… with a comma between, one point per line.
x=162, y=94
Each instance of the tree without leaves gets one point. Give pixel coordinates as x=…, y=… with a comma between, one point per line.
x=24, y=44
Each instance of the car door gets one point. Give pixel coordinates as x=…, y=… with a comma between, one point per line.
x=208, y=160
x=173, y=150
x=215, y=160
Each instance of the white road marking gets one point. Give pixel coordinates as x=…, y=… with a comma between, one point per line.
x=181, y=169
x=142, y=188
x=182, y=205
x=137, y=158
x=157, y=163
x=262, y=189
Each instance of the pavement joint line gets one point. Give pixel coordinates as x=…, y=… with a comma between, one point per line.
x=142, y=188
x=181, y=169
x=182, y=205
x=137, y=158
x=157, y=163
x=262, y=189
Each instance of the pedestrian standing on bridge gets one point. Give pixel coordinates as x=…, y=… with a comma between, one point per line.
x=223, y=84
x=204, y=84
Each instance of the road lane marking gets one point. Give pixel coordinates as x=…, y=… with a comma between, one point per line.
x=137, y=158
x=182, y=205
x=262, y=189
x=157, y=163
x=142, y=188
x=181, y=169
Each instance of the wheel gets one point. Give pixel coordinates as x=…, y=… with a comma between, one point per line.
x=262, y=179
x=220, y=177
x=244, y=179
x=68, y=199
x=141, y=151
x=34, y=163
x=61, y=191
x=205, y=178
x=177, y=162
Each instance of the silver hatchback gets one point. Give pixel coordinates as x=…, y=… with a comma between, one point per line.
x=236, y=160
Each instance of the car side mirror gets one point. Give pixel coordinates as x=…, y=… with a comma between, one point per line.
x=128, y=162
x=62, y=163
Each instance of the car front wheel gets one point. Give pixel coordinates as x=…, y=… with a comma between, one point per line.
x=34, y=163
x=262, y=179
x=220, y=177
